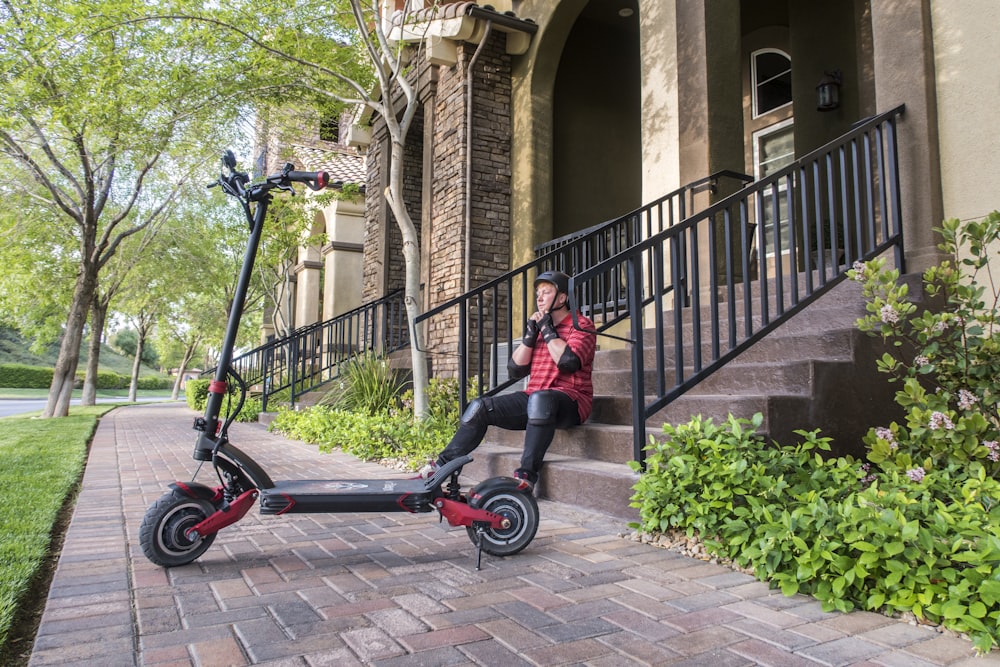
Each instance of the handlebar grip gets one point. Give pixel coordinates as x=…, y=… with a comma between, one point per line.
x=314, y=180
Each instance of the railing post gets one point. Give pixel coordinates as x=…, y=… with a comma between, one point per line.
x=634, y=287
x=293, y=349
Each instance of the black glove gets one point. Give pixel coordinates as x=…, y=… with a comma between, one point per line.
x=548, y=329
x=530, y=333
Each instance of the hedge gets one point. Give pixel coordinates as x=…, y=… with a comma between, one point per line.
x=22, y=376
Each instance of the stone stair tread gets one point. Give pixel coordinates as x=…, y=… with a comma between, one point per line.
x=583, y=483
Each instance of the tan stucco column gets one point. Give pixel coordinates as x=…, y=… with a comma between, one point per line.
x=343, y=257
x=660, y=90
x=904, y=74
x=710, y=89
x=966, y=53
x=308, y=273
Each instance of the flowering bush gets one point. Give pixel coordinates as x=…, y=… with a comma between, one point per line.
x=914, y=529
x=947, y=359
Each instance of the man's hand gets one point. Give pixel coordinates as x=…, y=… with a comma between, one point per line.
x=530, y=333
x=547, y=328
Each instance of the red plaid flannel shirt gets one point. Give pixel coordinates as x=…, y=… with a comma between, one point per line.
x=546, y=375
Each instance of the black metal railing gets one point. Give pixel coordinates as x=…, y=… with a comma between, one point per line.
x=312, y=355
x=486, y=316
x=723, y=278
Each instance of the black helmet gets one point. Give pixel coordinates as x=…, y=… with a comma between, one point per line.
x=557, y=278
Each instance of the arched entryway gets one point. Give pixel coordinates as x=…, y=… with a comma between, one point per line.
x=596, y=138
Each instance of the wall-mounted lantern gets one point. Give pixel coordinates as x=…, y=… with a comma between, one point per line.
x=828, y=91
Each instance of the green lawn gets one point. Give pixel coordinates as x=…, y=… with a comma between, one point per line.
x=41, y=461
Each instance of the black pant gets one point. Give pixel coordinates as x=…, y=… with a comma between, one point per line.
x=510, y=411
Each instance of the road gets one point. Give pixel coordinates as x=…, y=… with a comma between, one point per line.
x=19, y=406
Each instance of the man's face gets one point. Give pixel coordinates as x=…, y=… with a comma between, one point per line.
x=547, y=297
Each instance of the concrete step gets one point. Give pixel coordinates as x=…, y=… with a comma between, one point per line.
x=591, y=441
x=585, y=484
x=612, y=368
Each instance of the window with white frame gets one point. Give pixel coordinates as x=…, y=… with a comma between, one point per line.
x=774, y=149
x=771, y=77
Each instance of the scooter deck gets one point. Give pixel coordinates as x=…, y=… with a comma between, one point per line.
x=347, y=495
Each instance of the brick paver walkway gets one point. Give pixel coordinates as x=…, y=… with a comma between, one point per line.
x=400, y=589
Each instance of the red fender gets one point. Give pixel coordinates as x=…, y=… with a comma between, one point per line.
x=225, y=517
x=458, y=513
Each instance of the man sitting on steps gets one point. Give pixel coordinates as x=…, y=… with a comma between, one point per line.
x=558, y=359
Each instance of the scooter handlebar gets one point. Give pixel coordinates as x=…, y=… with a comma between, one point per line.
x=314, y=180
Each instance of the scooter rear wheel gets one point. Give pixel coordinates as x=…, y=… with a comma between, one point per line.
x=516, y=506
x=163, y=533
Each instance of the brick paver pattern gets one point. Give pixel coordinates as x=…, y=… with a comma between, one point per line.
x=402, y=589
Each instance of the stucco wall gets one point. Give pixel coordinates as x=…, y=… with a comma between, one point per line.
x=966, y=53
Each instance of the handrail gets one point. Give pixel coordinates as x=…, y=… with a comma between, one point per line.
x=708, y=183
x=312, y=355
x=809, y=222
x=485, y=315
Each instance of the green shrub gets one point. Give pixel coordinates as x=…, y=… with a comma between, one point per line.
x=154, y=382
x=248, y=414
x=385, y=436
x=106, y=380
x=917, y=527
x=368, y=384
x=196, y=393
x=391, y=434
x=26, y=377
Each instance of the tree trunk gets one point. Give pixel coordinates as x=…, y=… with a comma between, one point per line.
x=64, y=374
x=188, y=353
x=411, y=291
x=98, y=317
x=133, y=386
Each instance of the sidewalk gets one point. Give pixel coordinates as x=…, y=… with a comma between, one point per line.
x=402, y=589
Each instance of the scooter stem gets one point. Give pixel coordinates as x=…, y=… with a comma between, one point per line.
x=210, y=437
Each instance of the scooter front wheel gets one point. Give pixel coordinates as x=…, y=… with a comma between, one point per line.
x=520, y=509
x=163, y=534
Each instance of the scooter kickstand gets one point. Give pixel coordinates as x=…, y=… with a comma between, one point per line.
x=479, y=546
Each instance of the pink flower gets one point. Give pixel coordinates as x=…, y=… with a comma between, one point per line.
x=940, y=420
x=889, y=314
x=859, y=271
x=916, y=474
x=994, y=454
x=966, y=399
x=883, y=433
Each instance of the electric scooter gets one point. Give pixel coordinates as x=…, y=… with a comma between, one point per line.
x=500, y=514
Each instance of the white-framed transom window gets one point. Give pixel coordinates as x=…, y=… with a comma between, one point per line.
x=771, y=77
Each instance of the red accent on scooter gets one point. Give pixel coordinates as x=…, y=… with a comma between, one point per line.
x=289, y=506
x=217, y=386
x=401, y=501
x=460, y=514
x=222, y=518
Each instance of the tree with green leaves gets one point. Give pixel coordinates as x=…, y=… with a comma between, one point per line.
x=336, y=55
x=102, y=119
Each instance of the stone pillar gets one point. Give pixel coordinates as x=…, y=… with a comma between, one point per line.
x=904, y=74
x=470, y=237
x=710, y=98
x=710, y=88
